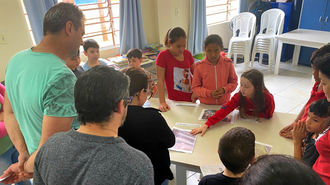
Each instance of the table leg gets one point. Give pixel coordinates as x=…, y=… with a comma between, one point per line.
x=278, y=57
x=181, y=175
x=296, y=55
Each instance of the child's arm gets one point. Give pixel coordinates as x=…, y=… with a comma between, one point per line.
x=232, y=80
x=197, y=87
x=269, y=107
x=161, y=90
x=298, y=133
x=286, y=131
x=219, y=115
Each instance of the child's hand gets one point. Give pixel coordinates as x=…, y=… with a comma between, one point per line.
x=163, y=107
x=216, y=94
x=299, y=131
x=221, y=91
x=286, y=132
x=194, y=97
x=201, y=129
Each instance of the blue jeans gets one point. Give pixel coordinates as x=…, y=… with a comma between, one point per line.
x=8, y=158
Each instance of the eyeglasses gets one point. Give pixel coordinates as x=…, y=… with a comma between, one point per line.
x=127, y=100
x=149, y=93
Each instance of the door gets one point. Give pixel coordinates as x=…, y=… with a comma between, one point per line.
x=312, y=15
x=326, y=22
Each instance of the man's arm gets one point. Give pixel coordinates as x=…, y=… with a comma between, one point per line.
x=50, y=126
x=15, y=133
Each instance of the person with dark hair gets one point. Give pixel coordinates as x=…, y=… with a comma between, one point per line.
x=145, y=128
x=95, y=154
x=236, y=151
x=175, y=67
x=322, y=164
x=92, y=51
x=214, y=77
x=316, y=93
x=279, y=169
x=317, y=113
x=253, y=99
x=39, y=87
x=134, y=57
x=73, y=63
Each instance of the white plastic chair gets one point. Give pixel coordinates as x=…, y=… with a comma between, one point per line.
x=265, y=42
x=244, y=25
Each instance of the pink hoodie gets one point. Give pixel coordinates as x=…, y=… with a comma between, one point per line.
x=208, y=77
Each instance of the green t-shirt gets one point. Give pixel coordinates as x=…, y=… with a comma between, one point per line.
x=38, y=84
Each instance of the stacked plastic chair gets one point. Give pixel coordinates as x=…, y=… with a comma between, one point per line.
x=244, y=25
x=265, y=42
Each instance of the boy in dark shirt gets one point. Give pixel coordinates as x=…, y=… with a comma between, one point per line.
x=74, y=64
x=236, y=151
x=304, y=146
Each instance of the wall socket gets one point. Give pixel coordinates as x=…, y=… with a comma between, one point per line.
x=3, y=39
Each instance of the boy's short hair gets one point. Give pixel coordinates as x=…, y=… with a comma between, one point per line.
x=319, y=53
x=139, y=79
x=320, y=108
x=136, y=53
x=237, y=149
x=90, y=43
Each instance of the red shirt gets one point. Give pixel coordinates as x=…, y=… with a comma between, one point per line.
x=177, y=75
x=322, y=164
x=249, y=106
x=314, y=96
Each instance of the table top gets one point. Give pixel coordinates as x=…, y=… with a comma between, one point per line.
x=304, y=37
x=205, y=150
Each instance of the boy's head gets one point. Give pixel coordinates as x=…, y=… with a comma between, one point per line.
x=134, y=57
x=316, y=56
x=73, y=62
x=91, y=50
x=318, y=112
x=237, y=149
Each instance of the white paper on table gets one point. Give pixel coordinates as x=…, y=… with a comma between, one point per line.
x=230, y=118
x=212, y=169
x=188, y=124
x=262, y=149
x=147, y=104
x=184, y=141
x=186, y=104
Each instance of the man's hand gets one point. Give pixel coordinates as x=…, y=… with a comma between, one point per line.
x=14, y=175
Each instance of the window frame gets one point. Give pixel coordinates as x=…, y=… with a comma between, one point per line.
x=227, y=11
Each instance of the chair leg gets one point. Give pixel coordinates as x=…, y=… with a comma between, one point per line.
x=253, y=57
x=235, y=59
x=260, y=58
x=271, y=59
x=246, y=62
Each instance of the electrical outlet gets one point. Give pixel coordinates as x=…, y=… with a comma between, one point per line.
x=177, y=11
x=3, y=39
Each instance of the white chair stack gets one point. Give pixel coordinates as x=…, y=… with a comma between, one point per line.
x=244, y=25
x=265, y=42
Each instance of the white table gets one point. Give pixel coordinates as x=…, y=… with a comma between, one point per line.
x=300, y=37
x=205, y=151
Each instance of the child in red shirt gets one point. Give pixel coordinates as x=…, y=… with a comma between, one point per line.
x=175, y=67
x=316, y=93
x=253, y=99
x=214, y=77
x=322, y=164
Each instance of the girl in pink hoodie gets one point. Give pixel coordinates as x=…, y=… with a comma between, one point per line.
x=214, y=77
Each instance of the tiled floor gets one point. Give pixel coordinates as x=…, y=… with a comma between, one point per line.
x=291, y=89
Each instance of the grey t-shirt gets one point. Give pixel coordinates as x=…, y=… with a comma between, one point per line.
x=76, y=158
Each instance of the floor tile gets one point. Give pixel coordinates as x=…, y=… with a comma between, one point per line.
x=285, y=104
x=274, y=87
x=305, y=84
x=297, y=109
x=295, y=94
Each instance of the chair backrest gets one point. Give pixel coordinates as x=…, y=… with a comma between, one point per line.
x=272, y=22
x=244, y=25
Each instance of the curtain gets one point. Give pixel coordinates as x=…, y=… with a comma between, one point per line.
x=198, y=26
x=36, y=9
x=131, y=30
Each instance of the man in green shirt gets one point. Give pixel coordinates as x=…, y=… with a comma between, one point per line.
x=39, y=87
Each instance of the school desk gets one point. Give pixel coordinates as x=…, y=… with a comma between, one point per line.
x=205, y=150
x=300, y=37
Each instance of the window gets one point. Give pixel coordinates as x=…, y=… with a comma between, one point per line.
x=218, y=11
x=102, y=20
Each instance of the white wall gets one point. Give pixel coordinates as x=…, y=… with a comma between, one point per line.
x=223, y=31
x=14, y=27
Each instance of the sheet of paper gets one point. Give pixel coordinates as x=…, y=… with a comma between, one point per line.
x=230, y=118
x=212, y=169
x=188, y=124
x=147, y=104
x=186, y=104
x=184, y=141
x=4, y=178
x=262, y=149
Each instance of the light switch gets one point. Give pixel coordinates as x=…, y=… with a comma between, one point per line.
x=177, y=11
x=3, y=39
